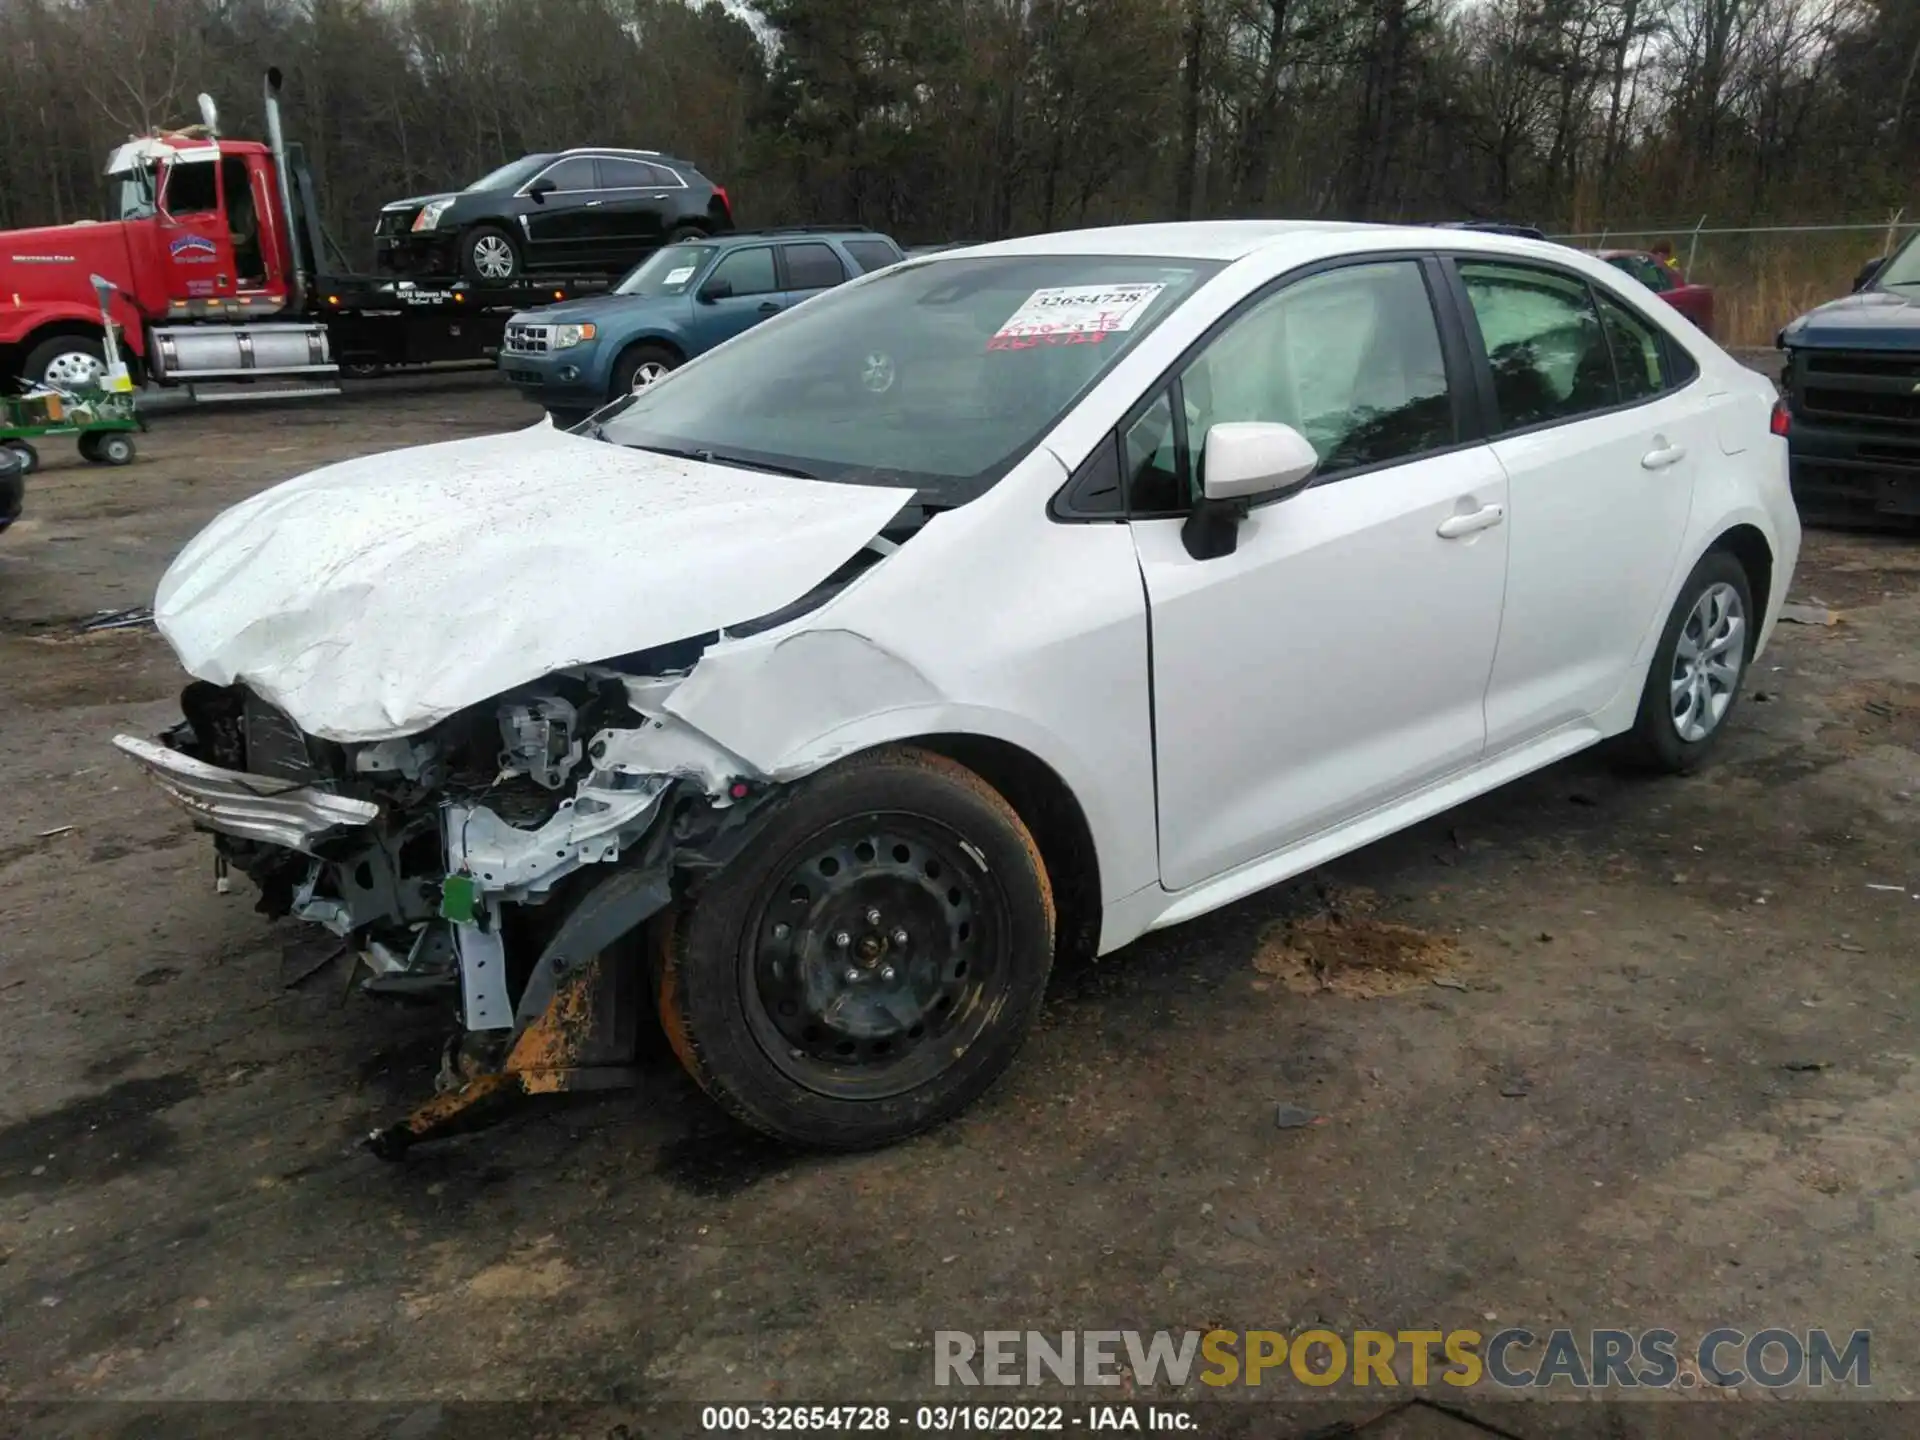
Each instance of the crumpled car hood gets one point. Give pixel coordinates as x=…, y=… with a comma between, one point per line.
x=374, y=598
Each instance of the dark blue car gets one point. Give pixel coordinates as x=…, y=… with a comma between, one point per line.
x=680, y=302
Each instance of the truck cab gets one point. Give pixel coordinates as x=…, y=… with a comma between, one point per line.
x=1852, y=386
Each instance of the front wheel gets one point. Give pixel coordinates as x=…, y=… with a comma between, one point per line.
x=28, y=456
x=489, y=256
x=640, y=366
x=1697, y=668
x=871, y=961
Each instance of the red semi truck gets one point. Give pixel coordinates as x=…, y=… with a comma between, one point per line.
x=223, y=277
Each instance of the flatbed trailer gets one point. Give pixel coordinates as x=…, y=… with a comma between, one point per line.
x=223, y=281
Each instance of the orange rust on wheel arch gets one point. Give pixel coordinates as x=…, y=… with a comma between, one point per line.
x=666, y=935
x=550, y=1047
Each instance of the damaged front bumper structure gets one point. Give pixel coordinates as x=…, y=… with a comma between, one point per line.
x=473, y=864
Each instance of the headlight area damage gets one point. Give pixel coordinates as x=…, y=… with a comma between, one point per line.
x=475, y=861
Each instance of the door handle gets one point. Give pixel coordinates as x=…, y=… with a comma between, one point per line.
x=594, y=204
x=1485, y=518
x=769, y=308
x=1662, y=455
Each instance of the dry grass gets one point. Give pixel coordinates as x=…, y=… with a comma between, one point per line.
x=1763, y=281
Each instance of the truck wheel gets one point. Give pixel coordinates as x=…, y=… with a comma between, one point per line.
x=638, y=367
x=67, y=361
x=870, y=962
x=489, y=256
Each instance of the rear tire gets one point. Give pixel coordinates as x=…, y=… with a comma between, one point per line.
x=1693, y=681
x=115, y=448
x=803, y=1015
x=640, y=366
x=489, y=255
x=29, y=457
x=685, y=235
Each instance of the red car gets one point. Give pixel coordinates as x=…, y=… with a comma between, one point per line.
x=1693, y=301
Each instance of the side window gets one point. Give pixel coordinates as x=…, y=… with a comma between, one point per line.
x=1543, y=341
x=575, y=173
x=1639, y=351
x=872, y=255
x=661, y=178
x=1350, y=358
x=193, y=187
x=749, y=272
x=624, y=174
x=812, y=266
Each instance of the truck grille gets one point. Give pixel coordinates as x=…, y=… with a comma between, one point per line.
x=1873, y=390
x=526, y=340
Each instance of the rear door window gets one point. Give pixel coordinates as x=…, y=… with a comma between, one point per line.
x=624, y=174
x=1543, y=341
x=812, y=266
x=872, y=254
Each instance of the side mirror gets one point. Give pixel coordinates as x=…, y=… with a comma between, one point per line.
x=1244, y=461
x=716, y=290
x=540, y=189
x=1867, y=274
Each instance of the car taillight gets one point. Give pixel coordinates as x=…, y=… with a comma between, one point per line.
x=720, y=194
x=1782, y=420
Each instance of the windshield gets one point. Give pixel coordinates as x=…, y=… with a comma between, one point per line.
x=1904, y=268
x=940, y=374
x=510, y=176
x=668, y=271
x=133, y=193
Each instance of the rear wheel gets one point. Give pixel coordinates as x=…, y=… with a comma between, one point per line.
x=489, y=256
x=685, y=234
x=67, y=362
x=872, y=960
x=640, y=366
x=114, y=448
x=1694, y=679
x=29, y=457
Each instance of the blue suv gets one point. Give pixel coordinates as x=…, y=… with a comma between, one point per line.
x=678, y=303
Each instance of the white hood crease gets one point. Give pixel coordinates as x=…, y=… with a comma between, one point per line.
x=374, y=598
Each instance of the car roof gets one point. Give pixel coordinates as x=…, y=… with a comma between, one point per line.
x=800, y=232
x=1231, y=240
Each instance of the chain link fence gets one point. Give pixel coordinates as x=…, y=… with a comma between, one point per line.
x=1762, y=275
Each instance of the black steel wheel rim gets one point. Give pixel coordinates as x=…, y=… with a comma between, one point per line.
x=876, y=956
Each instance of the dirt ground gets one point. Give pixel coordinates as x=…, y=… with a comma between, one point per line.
x=1589, y=1051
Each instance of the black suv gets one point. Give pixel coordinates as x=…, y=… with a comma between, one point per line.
x=592, y=211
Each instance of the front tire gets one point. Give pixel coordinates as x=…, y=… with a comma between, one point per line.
x=640, y=366
x=871, y=962
x=67, y=362
x=29, y=457
x=490, y=256
x=1693, y=682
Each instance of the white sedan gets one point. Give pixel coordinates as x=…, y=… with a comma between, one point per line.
x=1011, y=600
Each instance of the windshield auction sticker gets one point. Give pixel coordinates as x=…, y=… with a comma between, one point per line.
x=1074, y=315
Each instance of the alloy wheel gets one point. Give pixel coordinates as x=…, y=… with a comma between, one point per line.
x=1707, y=659
x=493, y=257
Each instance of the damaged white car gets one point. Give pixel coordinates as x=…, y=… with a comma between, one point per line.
x=1007, y=601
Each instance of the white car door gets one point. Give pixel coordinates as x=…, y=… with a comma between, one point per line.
x=1600, y=447
x=1338, y=658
